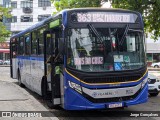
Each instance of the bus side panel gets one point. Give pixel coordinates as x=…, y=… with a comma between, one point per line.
x=37, y=73
x=14, y=68
x=40, y=72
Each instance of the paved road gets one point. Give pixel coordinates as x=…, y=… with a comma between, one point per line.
x=12, y=97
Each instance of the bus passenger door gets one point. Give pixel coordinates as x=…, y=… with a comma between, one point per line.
x=53, y=81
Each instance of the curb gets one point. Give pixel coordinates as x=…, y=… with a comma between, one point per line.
x=153, y=69
x=4, y=65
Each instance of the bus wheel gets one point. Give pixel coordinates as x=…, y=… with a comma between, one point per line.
x=19, y=80
x=52, y=106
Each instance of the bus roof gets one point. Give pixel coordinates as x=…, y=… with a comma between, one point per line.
x=38, y=25
x=96, y=8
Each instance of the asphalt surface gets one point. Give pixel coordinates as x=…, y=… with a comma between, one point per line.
x=15, y=98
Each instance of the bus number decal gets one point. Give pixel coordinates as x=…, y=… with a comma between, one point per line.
x=104, y=17
x=88, y=61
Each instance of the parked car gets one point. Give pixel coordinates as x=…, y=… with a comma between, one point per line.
x=1, y=62
x=6, y=62
x=155, y=65
x=153, y=85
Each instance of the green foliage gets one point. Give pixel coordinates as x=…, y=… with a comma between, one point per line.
x=4, y=33
x=150, y=10
x=65, y=4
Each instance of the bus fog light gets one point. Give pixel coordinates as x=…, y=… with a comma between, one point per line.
x=75, y=86
x=144, y=82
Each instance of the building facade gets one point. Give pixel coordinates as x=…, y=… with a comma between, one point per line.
x=25, y=13
x=153, y=50
x=4, y=51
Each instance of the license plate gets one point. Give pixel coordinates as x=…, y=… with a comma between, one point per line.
x=150, y=88
x=115, y=105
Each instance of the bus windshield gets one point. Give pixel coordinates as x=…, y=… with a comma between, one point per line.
x=105, y=49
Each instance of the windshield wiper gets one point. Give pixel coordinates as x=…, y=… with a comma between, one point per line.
x=125, y=33
x=92, y=29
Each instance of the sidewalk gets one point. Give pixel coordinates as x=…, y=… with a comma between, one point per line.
x=15, y=99
x=156, y=73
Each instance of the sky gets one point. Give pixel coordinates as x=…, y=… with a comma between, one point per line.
x=106, y=5
x=1, y=2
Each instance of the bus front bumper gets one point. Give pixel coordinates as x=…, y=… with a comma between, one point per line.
x=75, y=101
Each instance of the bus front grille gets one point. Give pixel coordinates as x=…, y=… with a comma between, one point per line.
x=111, y=79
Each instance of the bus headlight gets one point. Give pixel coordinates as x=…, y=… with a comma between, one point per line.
x=75, y=86
x=144, y=82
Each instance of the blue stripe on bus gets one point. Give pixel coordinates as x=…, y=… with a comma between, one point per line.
x=31, y=58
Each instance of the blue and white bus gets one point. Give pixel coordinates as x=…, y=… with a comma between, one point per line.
x=83, y=59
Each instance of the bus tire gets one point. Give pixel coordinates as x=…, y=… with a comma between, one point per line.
x=52, y=106
x=44, y=88
x=19, y=79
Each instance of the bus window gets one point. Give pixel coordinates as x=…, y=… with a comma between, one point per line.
x=21, y=46
x=48, y=44
x=34, y=43
x=40, y=43
x=27, y=45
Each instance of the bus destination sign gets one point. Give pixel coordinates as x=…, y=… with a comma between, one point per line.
x=106, y=17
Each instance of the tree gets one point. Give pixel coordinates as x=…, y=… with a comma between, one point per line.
x=64, y=4
x=149, y=10
x=4, y=33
